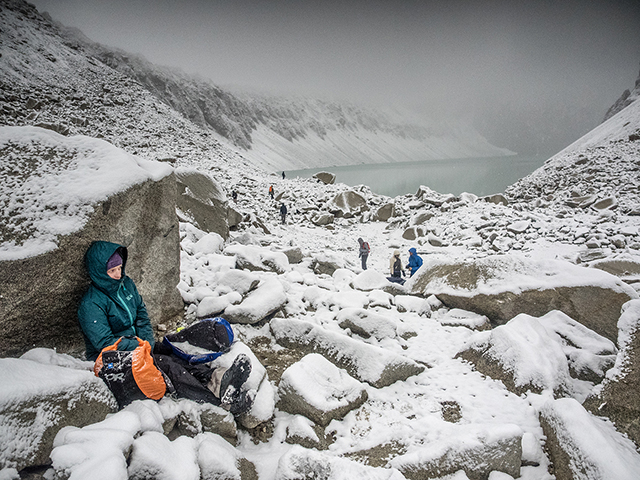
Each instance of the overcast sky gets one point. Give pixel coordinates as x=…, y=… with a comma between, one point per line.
x=452, y=52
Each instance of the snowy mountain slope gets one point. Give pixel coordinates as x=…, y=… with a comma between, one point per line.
x=47, y=82
x=604, y=164
x=295, y=132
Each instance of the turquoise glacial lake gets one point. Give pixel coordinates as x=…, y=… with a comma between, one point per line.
x=482, y=176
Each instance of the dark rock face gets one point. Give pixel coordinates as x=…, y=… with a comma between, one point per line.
x=203, y=200
x=42, y=293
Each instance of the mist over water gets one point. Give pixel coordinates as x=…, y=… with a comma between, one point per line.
x=481, y=176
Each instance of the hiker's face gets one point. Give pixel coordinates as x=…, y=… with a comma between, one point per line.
x=115, y=272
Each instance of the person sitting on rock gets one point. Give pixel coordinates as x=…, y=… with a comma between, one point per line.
x=415, y=261
x=112, y=309
x=395, y=268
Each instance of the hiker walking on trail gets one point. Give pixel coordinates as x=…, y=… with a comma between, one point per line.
x=283, y=213
x=363, y=252
x=271, y=192
x=283, y=174
x=415, y=261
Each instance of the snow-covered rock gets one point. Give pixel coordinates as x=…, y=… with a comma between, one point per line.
x=268, y=298
x=583, y=446
x=37, y=400
x=523, y=355
x=376, y=366
x=76, y=190
x=476, y=449
x=502, y=286
x=366, y=323
x=316, y=388
x=258, y=259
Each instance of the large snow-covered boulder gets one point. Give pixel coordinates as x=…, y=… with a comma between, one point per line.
x=502, y=286
x=376, y=366
x=476, y=449
x=347, y=204
x=617, y=397
x=268, y=298
x=37, y=400
x=583, y=446
x=316, y=388
x=327, y=178
x=202, y=201
x=522, y=355
x=77, y=190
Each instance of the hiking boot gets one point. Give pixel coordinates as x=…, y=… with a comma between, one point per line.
x=242, y=402
x=234, y=378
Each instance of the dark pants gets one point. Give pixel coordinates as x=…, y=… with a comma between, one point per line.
x=188, y=381
x=364, y=261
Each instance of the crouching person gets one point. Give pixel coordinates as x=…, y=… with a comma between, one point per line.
x=119, y=337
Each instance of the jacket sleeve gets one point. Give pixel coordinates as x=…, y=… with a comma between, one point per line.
x=143, y=326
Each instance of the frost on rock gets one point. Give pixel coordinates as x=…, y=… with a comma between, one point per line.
x=317, y=389
x=37, y=400
x=367, y=363
x=583, y=446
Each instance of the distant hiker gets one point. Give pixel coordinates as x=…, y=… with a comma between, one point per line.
x=395, y=268
x=283, y=213
x=415, y=261
x=113, y=314
x=271, y=191
x=363, y=252
x=283, y=174
x=234, y=196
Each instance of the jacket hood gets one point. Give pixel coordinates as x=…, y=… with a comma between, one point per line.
x=412, y=250
x=96, y=262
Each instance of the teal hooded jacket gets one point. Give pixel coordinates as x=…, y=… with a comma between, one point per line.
x=111, y=308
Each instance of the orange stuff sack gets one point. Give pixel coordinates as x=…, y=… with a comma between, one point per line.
x=130, y=375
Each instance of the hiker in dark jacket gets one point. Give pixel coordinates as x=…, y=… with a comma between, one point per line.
x=395, y=268
x=283, y=213
x=415, y=261
x=363, y=252
x=112, y=308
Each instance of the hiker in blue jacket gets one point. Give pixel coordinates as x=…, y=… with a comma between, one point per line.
x=415, y=261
